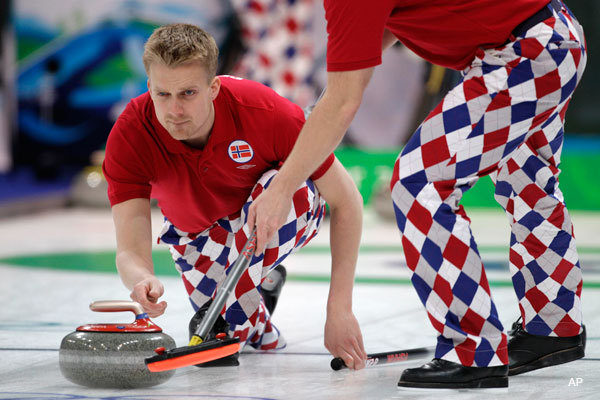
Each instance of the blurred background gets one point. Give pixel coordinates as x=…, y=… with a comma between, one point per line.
x=68, y=68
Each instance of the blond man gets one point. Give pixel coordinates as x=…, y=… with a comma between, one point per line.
x=205, y=146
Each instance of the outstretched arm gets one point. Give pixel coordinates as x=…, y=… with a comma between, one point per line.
x=343, y=337
x=134, y=254
x=319, y=136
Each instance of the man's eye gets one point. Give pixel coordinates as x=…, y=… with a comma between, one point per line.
x=189, y=92
x=162, y=94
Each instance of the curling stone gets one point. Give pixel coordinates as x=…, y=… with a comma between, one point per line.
x=112, y=355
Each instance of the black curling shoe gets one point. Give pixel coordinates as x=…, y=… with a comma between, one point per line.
x=442, y=374
x=527, y=352
x=220, y=326
x=270, y=289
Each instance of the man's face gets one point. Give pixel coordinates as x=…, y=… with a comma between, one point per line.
x=183, y=100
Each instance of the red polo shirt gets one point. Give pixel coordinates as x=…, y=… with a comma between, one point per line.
x=254, y=130
x=444, y=32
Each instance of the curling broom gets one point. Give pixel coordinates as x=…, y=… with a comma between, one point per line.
x=199, y=350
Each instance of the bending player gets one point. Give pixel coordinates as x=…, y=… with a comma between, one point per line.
x=205, y=146
x=521, y=61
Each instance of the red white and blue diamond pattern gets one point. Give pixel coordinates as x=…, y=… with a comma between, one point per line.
x=504, y=119
x=203, y=260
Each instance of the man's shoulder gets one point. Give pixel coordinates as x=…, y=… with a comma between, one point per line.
x=133, y=120
x=254, y=97
x=137, y=108
x=248, y=93
x=136, y=114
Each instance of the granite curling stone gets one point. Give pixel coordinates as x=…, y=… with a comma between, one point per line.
x=112, y=355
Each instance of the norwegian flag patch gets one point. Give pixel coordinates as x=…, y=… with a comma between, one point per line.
x=240, y=151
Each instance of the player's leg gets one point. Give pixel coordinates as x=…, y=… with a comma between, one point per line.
x=442, y=160
x=544, y=262
x=516, y=77
x=302, y=224
x=203, y=260
x=543, y=257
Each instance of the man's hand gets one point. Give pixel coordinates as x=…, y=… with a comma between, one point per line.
x=147, y=293
x=268, y=213
x=343, y=339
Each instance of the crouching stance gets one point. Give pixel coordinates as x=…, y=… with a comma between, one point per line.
x=205, y=147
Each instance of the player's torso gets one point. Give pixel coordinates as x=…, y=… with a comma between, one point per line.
x=195, y=187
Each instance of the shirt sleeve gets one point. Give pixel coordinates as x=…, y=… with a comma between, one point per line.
x=126, y=166
x=289, y=119
x=355, y=33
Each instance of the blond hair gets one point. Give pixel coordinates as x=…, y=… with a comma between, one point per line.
x=177, y=44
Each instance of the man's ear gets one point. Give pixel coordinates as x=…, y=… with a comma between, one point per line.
x=215, y=86
x=148, y=84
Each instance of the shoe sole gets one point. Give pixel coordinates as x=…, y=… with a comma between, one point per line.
x=556, y=358
x=483, y=383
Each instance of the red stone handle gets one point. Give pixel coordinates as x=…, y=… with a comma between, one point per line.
x=116, y=306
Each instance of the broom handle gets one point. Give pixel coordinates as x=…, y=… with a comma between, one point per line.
x=228, y=285
x=387, y=357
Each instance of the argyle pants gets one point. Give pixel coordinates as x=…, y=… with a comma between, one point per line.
x=504, y=119
x=203, y=260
